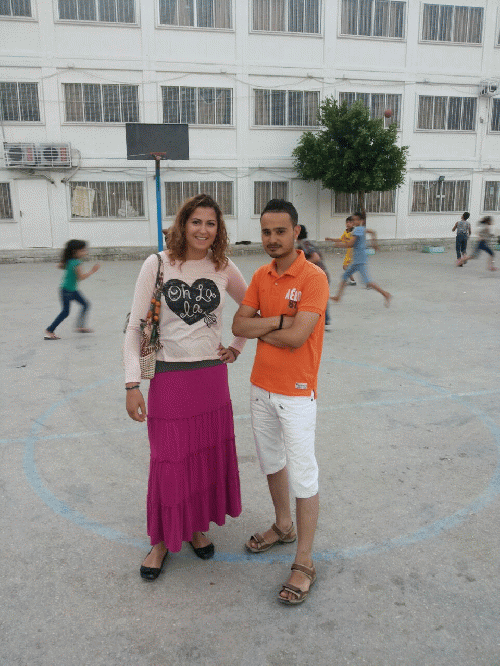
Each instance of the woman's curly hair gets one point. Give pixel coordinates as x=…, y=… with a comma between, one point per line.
x=175, y=236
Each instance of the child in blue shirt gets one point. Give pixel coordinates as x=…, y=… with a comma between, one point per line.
x=359, y=259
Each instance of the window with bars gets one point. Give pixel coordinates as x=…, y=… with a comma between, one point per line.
x=111, y=199
x=197, y=106
x=19, y=102
x=177, y=192
x=434, y=196
x=492, y=196
x=377, y=103
x=375, y=202
x=101, y=103
x=495, y=116
x=286, y=16
x=105, y=11
x=5, y=202
x=265, y=190
x=282, y=108
x=449, y=23
x=15, y=8
x=446, y=113
x=373, y=18
x=197, y=13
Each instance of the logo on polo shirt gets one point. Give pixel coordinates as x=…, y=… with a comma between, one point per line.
x=293, y=296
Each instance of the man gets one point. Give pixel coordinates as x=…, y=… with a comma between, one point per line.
x=284, y=308
x=358, y=242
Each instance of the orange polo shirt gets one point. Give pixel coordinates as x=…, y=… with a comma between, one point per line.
x=302, y=288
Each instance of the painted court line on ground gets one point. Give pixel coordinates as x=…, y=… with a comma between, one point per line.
x=484, y=499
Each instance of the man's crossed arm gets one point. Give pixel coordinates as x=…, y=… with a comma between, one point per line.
x=296, y=329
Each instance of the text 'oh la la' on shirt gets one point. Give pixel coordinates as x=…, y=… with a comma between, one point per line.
x=303, y=287
x=359, y=254
x=70, y=279
x=192, y=301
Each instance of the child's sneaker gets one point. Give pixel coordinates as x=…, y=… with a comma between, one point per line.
x=352, y=283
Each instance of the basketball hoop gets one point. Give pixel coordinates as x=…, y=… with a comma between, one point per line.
x=143, y=141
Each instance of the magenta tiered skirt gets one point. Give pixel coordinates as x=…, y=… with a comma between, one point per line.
x=193, y=474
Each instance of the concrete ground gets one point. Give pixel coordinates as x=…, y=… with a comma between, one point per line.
x=408, y=442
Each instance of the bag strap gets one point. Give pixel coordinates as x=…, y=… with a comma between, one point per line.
x=159, y=274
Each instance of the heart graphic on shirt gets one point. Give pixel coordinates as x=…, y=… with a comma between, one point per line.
x=192, y=303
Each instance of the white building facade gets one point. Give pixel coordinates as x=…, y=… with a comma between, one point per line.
x=247, y=76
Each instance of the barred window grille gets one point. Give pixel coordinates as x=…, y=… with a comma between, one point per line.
x=107, y=11
x=449, y=23
x=19, y=102
x=377, y=103
x=375, y=202
x=197, y=13
x=197, y=106
x=265, y=190
x=446, y=113
x=112, y=199
x=495, y=116
x=434, y=196
x=96, y=103
x=292, y=108
x=286, y=15
x=15, y=8
x=176, y=194
x=373, y=18
x=492, y=196
x=5, y=202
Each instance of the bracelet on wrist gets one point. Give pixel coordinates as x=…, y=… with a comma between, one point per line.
x=281, y=323
x=131, y=388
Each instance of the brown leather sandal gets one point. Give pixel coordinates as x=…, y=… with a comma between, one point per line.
x=263, y=545
x=299, y=594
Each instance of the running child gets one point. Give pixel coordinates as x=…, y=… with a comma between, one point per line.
x=71, y=259
x=483, y=244
x=346, y=236
x=359, y=260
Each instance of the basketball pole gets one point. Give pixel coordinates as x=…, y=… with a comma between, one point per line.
x=158, y=157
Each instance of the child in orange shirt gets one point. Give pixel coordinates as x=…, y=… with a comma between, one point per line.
x=346, y=236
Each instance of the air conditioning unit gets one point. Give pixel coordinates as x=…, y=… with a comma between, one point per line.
x=54, y=155
x=488, y=88
x=37, y=155
x=19, y=155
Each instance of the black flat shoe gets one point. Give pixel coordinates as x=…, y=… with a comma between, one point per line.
x=152, y=573
x=204, y=553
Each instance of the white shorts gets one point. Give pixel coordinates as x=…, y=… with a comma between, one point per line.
x=283, y=428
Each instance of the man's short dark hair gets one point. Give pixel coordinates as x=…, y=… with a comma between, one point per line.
x=466, y=216
x=282, y=206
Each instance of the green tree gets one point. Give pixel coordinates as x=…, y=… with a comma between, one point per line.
x=351, y=153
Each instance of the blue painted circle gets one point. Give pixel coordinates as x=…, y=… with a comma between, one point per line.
x=439, y=526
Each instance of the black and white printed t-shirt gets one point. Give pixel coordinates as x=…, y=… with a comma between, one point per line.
x=192, y=301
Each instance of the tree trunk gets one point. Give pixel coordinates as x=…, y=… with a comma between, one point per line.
x=361, y=203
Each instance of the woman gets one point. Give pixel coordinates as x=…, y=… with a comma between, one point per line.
x=193, y=477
